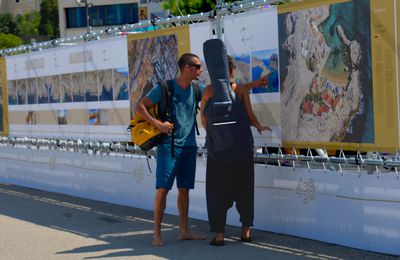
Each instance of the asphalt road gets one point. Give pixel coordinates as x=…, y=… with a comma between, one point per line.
x=42, y=225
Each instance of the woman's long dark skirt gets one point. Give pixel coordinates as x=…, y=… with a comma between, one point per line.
x=228, y=182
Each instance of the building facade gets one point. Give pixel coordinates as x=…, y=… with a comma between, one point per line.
x=104, y=14
x=16, y=7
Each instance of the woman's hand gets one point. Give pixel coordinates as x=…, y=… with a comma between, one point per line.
x=262, y=81
x=263, y=128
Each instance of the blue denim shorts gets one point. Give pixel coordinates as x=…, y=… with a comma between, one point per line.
x=182, y=166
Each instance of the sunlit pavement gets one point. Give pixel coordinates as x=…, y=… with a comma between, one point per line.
x=42, y=225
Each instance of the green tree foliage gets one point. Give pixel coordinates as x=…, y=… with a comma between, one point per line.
x=197, y=6
x=190, y=7
x=41, y=25
x=49, y=18
x=27, y=24
x=9, y=41
x=24, y=26
x=7, y=24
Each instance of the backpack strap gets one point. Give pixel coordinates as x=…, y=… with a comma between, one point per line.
x=167, y=94
x=197, y=96
x=168, y=101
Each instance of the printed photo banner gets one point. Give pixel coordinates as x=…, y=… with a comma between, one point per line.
x=254, y=54
x=78, y=91
x=3, y=99
x=152, y=58
x=339, y=88
x=251, y=39
x=199, y=33
x=332, y=65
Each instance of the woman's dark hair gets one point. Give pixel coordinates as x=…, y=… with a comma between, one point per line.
x=231, y=64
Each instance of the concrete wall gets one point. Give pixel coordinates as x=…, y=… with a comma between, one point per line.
x=21, y=7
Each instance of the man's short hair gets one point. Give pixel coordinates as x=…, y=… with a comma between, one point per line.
x=186, y=59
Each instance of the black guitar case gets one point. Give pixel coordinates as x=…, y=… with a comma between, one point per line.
x=228, y=129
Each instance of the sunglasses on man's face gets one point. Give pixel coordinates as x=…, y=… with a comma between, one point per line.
x=197, y=66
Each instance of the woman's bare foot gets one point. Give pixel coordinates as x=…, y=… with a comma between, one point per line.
x=219, y=236
x=246, y=232
x=188, y=235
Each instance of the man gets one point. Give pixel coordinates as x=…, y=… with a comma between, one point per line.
x=182, y=165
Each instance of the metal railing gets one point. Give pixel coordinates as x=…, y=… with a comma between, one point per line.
x=373, y=162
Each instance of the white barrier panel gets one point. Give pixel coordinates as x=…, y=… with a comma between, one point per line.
x=351, y=209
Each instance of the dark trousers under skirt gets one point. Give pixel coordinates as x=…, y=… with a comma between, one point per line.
x=228, y=182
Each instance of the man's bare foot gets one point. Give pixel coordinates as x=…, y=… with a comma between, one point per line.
x=157, y=242
x=190, y=236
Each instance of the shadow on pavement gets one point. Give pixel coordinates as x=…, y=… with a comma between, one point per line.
x=121, y=231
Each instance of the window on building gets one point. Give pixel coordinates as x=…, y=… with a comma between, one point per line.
x=98, y=16
x=76, y=17
x=102, y=15
x=114, y=14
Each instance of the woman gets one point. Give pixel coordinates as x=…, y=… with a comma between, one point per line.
x=232, y=180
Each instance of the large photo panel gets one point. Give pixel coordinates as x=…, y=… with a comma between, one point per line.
x=251, y=39
x=333, y=93
x=254, y=54
x=199, y=33
x=53, y=93
x=384, y=73
x=3, y=98
x=152, y=58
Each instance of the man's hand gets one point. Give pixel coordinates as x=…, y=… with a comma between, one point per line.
x=166, y=127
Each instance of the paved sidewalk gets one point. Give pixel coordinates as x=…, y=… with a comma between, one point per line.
x=43, y=225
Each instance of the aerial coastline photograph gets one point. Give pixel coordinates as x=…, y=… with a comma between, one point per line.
x=53, y=86
x=91, y=86
x=66, y=88
x=32, y=91
x=62, y=117
x=98, y=117
x=120, y=76
x=12, y=92
x=1, y=101
x=102, y=85
x=42, y=91
x=325, y=65
x=243, y=68
x=30, y=118
x=106, y=84
x=78, y=83
x=265, y=62
x=151, y=60
x=22, y=92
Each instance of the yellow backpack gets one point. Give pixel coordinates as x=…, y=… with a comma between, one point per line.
x=144, y=134
x=147, y=136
